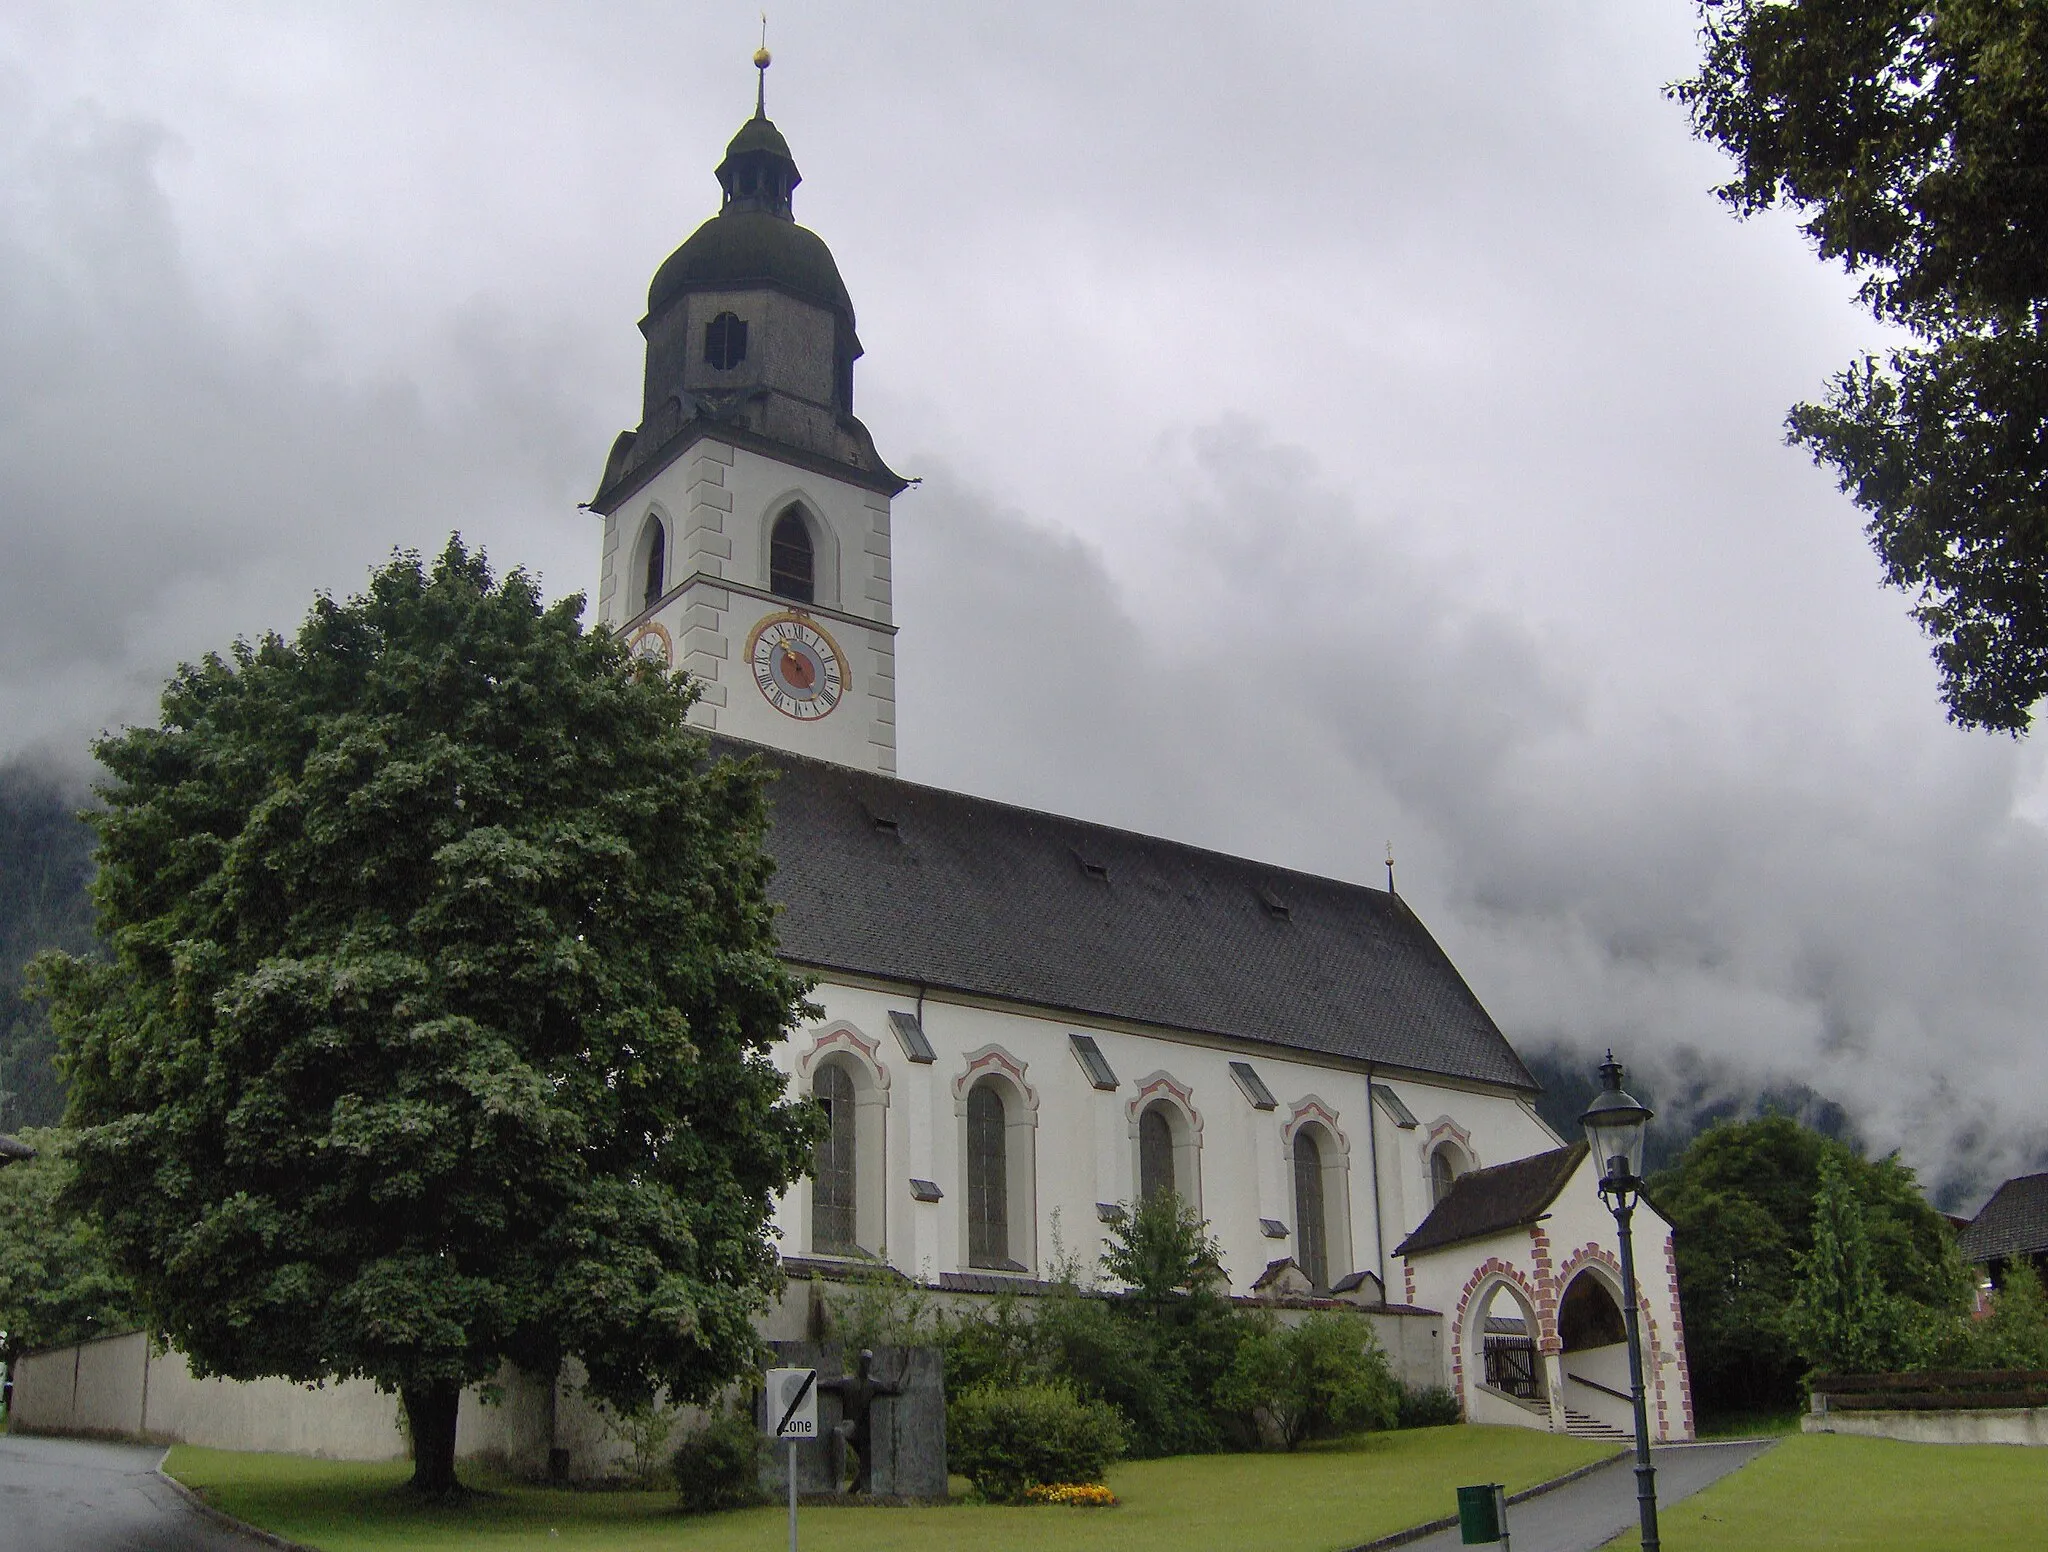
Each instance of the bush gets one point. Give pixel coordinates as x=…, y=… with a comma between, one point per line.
x=2015, y=1334
x=1426, y=1406
x=1009, y=1440
x=718, y=1464
x=1141, y=1366
x=1324, y=1377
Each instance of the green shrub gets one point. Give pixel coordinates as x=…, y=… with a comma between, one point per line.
x=2015, y=1334
x=1324, y=1377
x=1161, y=1248
x=1005, y=1440
x=718, y=1464
x=1137, y=1361
x=1426, y=1406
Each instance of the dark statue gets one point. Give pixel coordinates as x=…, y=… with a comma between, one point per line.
x=896, y=1426
x=858, y=1394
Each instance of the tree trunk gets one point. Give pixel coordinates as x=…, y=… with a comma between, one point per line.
x=430, y=1418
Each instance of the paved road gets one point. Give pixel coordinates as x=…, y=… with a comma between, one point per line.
x=78, y=1495
x=1592, y=1511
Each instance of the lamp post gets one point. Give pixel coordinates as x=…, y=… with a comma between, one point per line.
x=1614, y=1125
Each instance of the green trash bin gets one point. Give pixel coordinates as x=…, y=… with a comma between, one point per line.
x=1482, y=1514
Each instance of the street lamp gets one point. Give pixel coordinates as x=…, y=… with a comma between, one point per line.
x=1614, y=1125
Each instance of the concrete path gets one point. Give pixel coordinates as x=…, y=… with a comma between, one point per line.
x=79, y=1495
x=1592, y=1511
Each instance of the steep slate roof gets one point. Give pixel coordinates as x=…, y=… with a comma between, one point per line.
x=1486, y=1201
x=2013, y=1223
x=13, y=1148
x=881, y=877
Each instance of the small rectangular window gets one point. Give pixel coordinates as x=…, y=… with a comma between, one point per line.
x=911, y=1036
x=1253, y=1086
x=1391, y=1103
x=1093, y=1062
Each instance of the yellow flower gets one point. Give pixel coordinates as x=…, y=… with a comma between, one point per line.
x=1078, y=1495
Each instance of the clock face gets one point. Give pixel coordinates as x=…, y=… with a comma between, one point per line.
x=796, y=666
x=651, y=642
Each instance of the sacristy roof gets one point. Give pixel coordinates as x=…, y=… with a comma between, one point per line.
x=1488, y=1201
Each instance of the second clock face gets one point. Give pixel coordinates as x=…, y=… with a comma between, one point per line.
x=796, y=666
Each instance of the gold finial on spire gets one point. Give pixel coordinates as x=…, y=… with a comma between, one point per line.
x=762, y=60
x=1390, y=867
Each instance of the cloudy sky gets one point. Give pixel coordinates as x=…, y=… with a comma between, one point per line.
x=1338, y=423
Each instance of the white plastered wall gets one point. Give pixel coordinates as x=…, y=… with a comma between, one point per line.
x=1084, y=1143
x=719, y=504
x=1577, y=1234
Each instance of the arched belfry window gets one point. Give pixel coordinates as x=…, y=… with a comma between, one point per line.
x=1155, y=1151
x=725, y=342
x=988, y=1177
x=833, y=1195
x=653, y=583
x=1311, y=1224
x=792, y=560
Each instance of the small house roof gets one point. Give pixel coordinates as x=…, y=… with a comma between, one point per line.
x=1487, y=1201
x=2013, y=1223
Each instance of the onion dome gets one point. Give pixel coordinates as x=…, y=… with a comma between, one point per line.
x=754, y=238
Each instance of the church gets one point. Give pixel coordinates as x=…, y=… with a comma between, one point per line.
x=1028, y=1019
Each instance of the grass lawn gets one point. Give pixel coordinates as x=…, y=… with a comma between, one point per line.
x=1876, y=1495
x=1316, y=1499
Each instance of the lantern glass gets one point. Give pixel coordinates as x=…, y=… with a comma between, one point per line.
x=1616, y=1125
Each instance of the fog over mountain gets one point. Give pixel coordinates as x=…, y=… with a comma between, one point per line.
x=1335, y=426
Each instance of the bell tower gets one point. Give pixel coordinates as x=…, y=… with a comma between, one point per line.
x=746, y=518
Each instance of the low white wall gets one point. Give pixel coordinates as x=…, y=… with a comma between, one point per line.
x=1485, y=1404
x=119, y=1387
x=1604, y=1366
x=2001, y=1425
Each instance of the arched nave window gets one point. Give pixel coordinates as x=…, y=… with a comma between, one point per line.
x=1446, y=1163
x=834, y=1171
x=656, y=574
x=1311, y=1222
x=1155, y=1150
x=792, y=560
x=988, y=1177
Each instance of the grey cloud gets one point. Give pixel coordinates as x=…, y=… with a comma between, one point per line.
x=1345, y=424
x=169, y=482
x=1605, y=870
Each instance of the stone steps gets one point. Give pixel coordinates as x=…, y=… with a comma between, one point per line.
x=1581, y=1426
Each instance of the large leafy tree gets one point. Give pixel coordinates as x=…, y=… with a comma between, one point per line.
x=1912, y=138
x=435, y=1028
x=1741, y=1199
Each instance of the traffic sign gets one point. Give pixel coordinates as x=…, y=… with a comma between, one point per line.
x=792, y=1410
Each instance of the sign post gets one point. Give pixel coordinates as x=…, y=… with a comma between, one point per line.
x=791, y=1415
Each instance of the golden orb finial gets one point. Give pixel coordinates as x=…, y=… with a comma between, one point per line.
x=762, y=59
